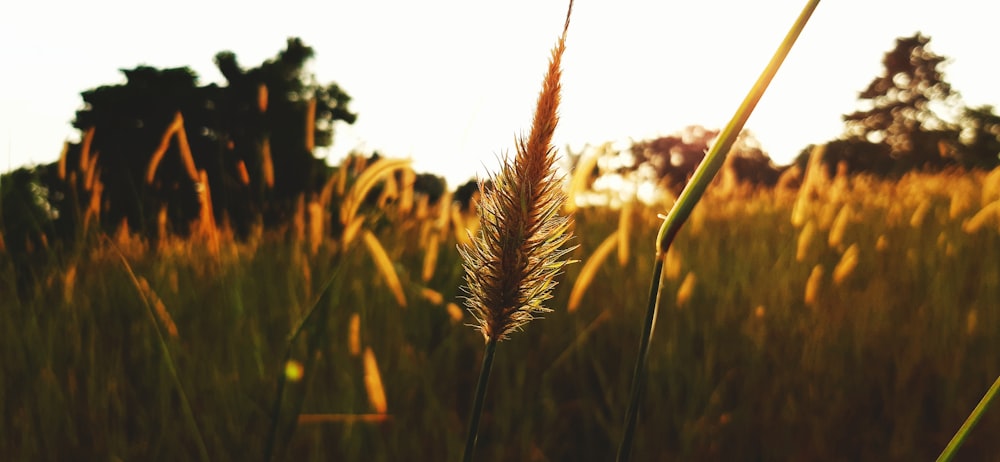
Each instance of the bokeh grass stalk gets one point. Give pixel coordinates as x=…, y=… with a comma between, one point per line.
x=970, y=422
x=681, y=210
x=167, y=357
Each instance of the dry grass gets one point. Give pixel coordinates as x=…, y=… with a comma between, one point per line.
x=512, y=264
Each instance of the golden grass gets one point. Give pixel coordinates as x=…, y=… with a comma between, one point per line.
x=367, y=180
x=351, y=231
x=430, y=257
x=686, y=290
x=61, y=166
x=373, y=383
x=836, y=237
x=578, y=181
x=672, y=265
x=407, y=178
x=455, y=313
x=804, y=240
x=814, y=177
x=384, y=265
x=814, y=285
x=88, y=141
x=158, y=307
x=343, y=418
x=267, y=164
x=262, y=98
x=432, y=296
x=848, y=262
x=983, y=217
x=624, y=232
x=69, y=280
x=311, y=125
x=316, y=230
x=590, y=269
x=512, y=265
x=917, y=219
x=174, y=130
x=242, y=173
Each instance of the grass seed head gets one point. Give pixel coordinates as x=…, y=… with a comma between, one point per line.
x=848, y=262
x=373, y=383
x=813, y=285
x=686, y=289
x=589, y=271
x=512, y=264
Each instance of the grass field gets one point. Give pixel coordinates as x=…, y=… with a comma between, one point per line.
x=848, y=319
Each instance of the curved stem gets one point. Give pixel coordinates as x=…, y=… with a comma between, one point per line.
x=689, y=197
x=477, y=402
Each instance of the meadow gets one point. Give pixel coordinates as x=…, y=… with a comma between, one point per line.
x=843, y=318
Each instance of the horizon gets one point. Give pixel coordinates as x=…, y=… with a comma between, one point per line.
x=449, y=92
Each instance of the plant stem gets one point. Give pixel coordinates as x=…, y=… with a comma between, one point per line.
x=970, y=422
x=689, y=197
x=477, y=402
x=639, y=374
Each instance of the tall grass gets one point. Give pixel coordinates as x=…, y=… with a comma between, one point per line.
x=682, y=208
x=887, y=365
x=512, y=263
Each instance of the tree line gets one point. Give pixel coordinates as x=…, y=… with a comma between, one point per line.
x=162, y=148
x=909, y=118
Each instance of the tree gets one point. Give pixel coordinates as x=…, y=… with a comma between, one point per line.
x=673, y=159
x=980, y=138
x=254, y=139
x=899, y=108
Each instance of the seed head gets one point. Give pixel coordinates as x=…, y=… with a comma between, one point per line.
x=511, y=265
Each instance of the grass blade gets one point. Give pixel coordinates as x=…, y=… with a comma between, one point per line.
x=167, y=358
x=970, y=422
x=681, y=210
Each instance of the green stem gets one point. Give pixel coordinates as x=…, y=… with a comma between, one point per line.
x=477, y=402
x=970, y=422
x=639, y=374
x=716, y=156
x=689, y=197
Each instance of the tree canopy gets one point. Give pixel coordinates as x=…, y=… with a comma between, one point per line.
x=160, y=139
x=906, y=119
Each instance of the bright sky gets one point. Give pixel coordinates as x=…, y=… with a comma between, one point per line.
x=449, y=83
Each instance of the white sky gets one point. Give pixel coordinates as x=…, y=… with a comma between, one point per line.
x=449, y=83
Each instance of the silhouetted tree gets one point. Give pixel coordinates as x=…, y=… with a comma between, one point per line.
x=254, y=138
x=673, y=159
x=899, y=107
x=464, y=194
x=26, y=223
x=856, y=155
x=981, y=138
x=430, y=185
